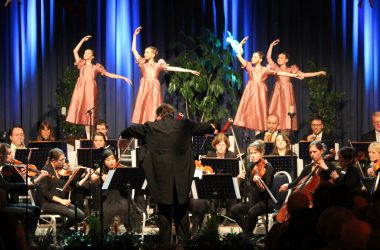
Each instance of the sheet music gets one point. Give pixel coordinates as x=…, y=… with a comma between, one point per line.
x=198, y=174
x=236, y=187
x=194, y=190
x=107, y=182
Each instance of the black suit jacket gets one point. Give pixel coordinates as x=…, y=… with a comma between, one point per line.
x=326, y=137
x=167, y=155
x=369, y=137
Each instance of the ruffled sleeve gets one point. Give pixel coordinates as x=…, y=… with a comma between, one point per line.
x=100, y=69
x=248, y=66
x=295, y=70
x=140, y=60
x=162, y=64
x=80, y=63
x=271, y=69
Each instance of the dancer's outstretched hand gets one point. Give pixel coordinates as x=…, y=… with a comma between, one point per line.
x=127, y=80
x=86, y=38
x=275, y=42
x=137, y=31
x=195, y=72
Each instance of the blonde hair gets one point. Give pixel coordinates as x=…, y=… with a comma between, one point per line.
x=375, y=146
x=258, y=145
x=154, y=50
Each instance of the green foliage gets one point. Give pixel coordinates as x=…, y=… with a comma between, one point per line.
x=323, y=101
x=46, y=240
x=208, y=237
x=204, y=94
x=123, y=241
x=63, y=96
x=94, y=229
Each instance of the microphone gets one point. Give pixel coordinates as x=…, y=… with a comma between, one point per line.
x=89, y=111
x=291, y=112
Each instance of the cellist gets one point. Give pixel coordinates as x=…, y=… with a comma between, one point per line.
x=324, y=168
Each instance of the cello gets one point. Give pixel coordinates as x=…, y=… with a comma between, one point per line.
x=307, y=185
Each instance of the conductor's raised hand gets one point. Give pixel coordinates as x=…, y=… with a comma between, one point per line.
x=137, y=31
x=86, y=38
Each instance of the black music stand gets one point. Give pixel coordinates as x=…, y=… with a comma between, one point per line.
x=125, y=179
x=361, y=147
x=216, y=187
x=202, y=144
x=286, y=163
x=223, y=166
x=89, y=157
x=269, y=148
x=38, y=156
x=49, y=145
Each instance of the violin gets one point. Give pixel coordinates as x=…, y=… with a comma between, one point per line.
x=205, y=169
x=65, y=171
x=259, y=168
x=376, y=167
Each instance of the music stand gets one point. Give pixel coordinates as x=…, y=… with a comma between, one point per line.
x=286, y=163
x=89, y=157
x=223, y=166
x=49, y=145
x=269, y=147
x=125, y=179
x=202, y=144
x=216, y=187
x=361, y=147
x=38, y=156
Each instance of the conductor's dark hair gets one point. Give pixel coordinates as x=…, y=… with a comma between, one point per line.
x=165, y=110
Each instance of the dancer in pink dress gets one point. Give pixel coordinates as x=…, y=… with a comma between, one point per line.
x=85, y=95
x=283, y=95
x=253, y=108
x=149, y=95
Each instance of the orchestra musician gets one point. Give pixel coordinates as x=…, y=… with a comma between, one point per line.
x=52, y=198
x=45, y=132
x=168, y=165
x=272, y=129
x=258, y=173
x=199, y=207
x=317, y=133
x=316, y=150
x=99, y=140
x=350, y=176
x=115, y=202
x=29, y=216
x=102, y=126
x=282, y=145
x=16, y=137
x=374, y=157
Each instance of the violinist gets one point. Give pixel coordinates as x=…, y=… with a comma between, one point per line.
x=45, y=132
x=259, y=171
x=350, y=176
x=19, y=210
x=374, y=157
x=316, y=150
x=53, y=199
x=115, y=202
x=99, y=140
x=16, y=137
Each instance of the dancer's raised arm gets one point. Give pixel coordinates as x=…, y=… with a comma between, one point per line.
x=312, y=74
x=269, y=52
x=76, y=49
x=111, y=75
x=239, y=54
x=178, y=69
x=134, y=50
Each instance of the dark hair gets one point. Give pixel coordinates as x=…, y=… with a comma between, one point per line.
x=3, y=153
x=287, y=140
x=261, y=54
x=13, y=128
x=54, y=154
x=100, y=134
x=286, y=54
x=43, y=125
x=316, y=118
x=165, y=110
x=107, y=153
x=348, y=153
x=101, y=122
x=318, y=145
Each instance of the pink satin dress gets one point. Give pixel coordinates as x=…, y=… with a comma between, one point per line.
x=149, y=95
x=85, y=95
x=253, y=108
x=283, y=98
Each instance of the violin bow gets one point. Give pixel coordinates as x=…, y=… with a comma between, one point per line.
x=236, y=144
